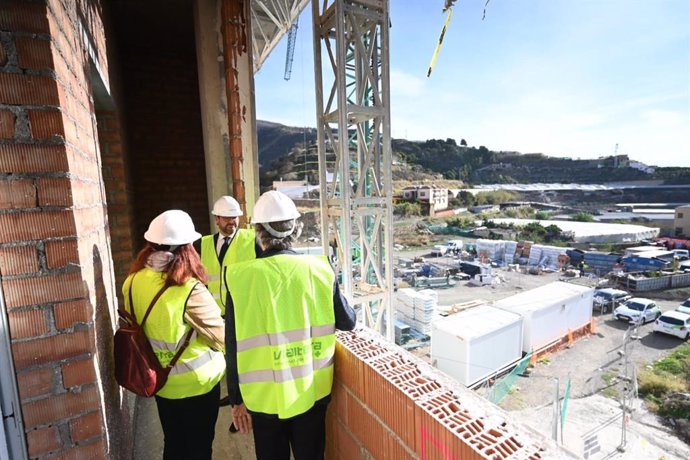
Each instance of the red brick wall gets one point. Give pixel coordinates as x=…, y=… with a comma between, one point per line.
x=163, y=114
x=55, y=265
x=118, y=193
x=387, y=404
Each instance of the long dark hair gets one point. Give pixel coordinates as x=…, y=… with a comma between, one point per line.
x=185, y=265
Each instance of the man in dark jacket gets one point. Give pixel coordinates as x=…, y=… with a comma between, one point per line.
x=281, y=314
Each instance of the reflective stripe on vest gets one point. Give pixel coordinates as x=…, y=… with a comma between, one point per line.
x=291, y=373
x=242, y=247
x=199, y=368
x=285, y=337
x=285, y=329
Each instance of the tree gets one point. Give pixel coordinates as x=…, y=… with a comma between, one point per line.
x=466, y=198
x=407, y=209
x=553, y=232
x=583, y=217
x=463, y=142
x=534, y=228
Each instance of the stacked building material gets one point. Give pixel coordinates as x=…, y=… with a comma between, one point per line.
x=492, y=249
x=510, y=252
x=523, y=248
x=405, y=305
x=545, y=256
x=417, y=308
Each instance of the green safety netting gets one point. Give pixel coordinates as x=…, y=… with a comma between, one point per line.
x=503, y=386
x=444, y=230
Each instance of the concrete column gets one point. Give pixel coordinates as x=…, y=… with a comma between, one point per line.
x=214, y=113
x=226, y=89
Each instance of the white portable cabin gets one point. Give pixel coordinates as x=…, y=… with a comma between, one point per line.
x=475, y=343
x=636, y=250
x=550, y=311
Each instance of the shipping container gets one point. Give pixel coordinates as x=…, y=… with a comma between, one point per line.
x=474, y=344
x=647, y=261
x=600, y=263
x=549, y=312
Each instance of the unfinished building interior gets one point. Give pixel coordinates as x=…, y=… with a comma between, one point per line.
x=112, y=111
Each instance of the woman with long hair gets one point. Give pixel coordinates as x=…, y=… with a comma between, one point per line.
x=168, y=275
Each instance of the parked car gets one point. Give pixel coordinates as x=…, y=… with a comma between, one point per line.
x=609, y=297
x=637, y=310
x=684, y=307
x=681, y=254
x=674, y=323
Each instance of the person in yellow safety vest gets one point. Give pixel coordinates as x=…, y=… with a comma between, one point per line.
x=282, y=312
x=168, y=264
x=231, y=244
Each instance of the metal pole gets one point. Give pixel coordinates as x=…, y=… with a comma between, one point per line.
x=621, y=448
x=626, y=338
x=554, y=424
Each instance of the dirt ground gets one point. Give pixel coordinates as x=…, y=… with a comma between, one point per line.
x=593, y=363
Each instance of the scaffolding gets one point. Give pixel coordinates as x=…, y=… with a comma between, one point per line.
x=353, y=122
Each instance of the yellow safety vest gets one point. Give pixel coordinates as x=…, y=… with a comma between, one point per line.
x=242, y=247
x=200, y=367
x=285, y=329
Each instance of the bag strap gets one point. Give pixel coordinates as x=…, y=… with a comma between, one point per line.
x=132, y=316
x=153, y=302
x=180, y=350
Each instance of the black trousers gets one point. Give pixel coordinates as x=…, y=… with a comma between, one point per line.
x=189, y=425
x=304, y=433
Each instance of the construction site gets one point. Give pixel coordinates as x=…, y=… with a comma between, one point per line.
x=112, y=111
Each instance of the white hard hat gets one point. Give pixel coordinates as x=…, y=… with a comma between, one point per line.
x=173, y=227
x=274, y=206
x=226, y=206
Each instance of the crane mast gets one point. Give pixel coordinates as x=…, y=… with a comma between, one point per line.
x=354, y=148
x=290, y=54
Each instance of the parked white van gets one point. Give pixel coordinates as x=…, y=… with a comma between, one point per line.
x=439, y=250
x=454, y=245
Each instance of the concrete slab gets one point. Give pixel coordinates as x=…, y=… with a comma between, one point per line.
x=593, y=429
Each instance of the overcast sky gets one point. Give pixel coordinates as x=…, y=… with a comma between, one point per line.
x=562, y=77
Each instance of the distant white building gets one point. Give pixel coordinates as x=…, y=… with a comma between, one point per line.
x=435, y=197
x=642, y=167
x=295, y=189
x=681, y=221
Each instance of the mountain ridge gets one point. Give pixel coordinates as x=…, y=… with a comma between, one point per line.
x=289, y=153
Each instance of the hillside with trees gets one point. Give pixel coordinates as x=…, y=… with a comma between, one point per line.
x=483, y=166
x=276, y=140
x=289, y=153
